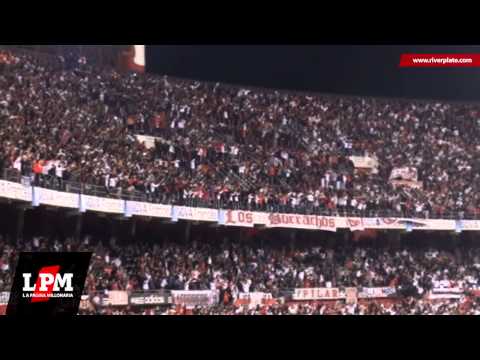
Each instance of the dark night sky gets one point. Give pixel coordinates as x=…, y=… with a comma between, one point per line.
x=357, y=70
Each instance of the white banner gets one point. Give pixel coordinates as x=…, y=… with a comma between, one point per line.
x=243, y=218
x=261, y=218
x=115, y=298
x=149, y=298
x=364, y=162
x=15, y=191
x=470, y=225
x=318, y=294
x=445, y=289
x=149, y=141
x=409, y=183
x=85, y=303
x=338, y=294
x=436, y=224
x=4, y=297
x=376, y=293
x=411, y=224
x=95, y=203
x=194, y=214
x=307, y=222
x=148, y=209
x=227, y=217
x=237, y=218
x=443, y=293
x=405, y=173
x=351, y=295
x=254, y=299
x=195, y=298
x=57, y=198
x=354, y=224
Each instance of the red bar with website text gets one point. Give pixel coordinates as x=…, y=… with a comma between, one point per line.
x=440, y=60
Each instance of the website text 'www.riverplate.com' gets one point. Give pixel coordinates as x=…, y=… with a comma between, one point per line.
x=440, y=60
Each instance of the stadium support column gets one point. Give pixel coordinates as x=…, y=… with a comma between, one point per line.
x=112, y=228
x=20, y=223
x=188, y=230
x=133, y=227
x=293, y=238
x=394, y=239
x=78, y=226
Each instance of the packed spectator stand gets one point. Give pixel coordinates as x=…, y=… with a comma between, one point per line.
x=233, y=268
x=72, y=126
x=224, y=146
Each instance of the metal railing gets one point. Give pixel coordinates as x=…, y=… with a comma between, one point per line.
x=53, y=183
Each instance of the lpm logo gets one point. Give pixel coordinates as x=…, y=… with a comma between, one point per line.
x=48, y=284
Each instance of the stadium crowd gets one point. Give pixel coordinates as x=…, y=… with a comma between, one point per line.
x=408, y=306
x=219, y=145
x=229, y=265
x=232, y=267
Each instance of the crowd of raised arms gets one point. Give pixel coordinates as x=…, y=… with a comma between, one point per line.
x=232, y=267
x=225, y=146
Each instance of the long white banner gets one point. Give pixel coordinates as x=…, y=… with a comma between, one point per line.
x=446, y=293
x=99, y=204
x=147, y=209
x=353, y=223
x=338, y=294
x=236, y=218
x=4, y=297
x=240, y=218
x=11, y=190
x=55, y=198
x=318, y=294
x=195, y=298
x=364, y=162
x=469, y=225
x=254, y=299
x=115, y=298
x=376, y=293
x=308, y=222
x=405, y=173
x=194, y=214
x=408, y=224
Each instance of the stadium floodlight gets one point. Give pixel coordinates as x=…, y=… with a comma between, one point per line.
x=139, y=58
x=134, y=58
